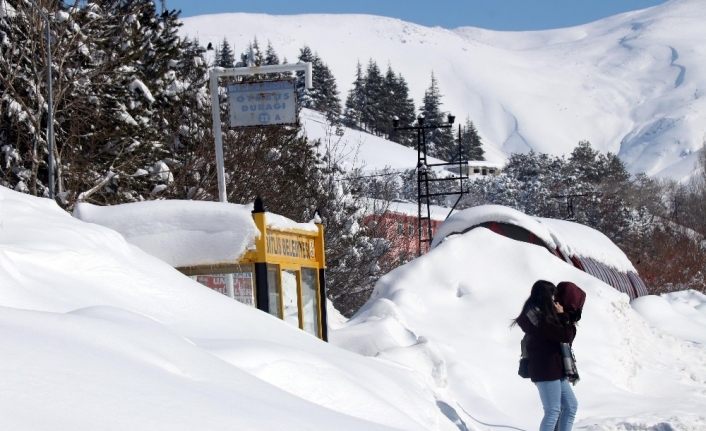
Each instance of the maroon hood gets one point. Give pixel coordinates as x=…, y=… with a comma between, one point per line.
x=572, y=298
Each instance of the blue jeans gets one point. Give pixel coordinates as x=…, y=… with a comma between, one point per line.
x=559, y=404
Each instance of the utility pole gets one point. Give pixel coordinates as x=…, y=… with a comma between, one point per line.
x=50, y=102
x=424, y=236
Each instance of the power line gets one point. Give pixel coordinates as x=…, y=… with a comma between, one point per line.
x=387, y=174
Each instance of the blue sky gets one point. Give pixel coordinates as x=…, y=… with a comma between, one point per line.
x=492, y=14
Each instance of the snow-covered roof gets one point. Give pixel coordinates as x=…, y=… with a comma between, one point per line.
x=465, y=219
x=572, y=239
x=186, y=233
x=485, y=164
x=179, y=232
x=579, y=240
x=276, y=221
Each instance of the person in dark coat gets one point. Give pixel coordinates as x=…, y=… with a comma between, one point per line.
x=547, y=326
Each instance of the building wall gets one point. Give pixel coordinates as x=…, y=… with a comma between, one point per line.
x=401, y=231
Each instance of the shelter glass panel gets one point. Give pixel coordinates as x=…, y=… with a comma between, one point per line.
x=273, y=290
x=290, y=297
x=239, y=282
x=310, y=301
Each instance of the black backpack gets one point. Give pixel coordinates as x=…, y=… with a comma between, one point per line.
x=523, y=370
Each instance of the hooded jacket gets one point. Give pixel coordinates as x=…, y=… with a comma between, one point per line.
x=543, y=344
x=572, y=298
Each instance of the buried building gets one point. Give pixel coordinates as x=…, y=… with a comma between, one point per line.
x=255, y=257
x=577, y=244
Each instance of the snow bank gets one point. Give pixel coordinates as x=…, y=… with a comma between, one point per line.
x=181, y=233
x=98, y=334
x=447, y=315
x=682, y=314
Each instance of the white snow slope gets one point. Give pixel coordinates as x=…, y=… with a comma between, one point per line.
x=355, y=149
x=98, y=335
x=632, y=84
x=448, y=315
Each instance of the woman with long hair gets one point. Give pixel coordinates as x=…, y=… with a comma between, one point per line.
x=547, y=326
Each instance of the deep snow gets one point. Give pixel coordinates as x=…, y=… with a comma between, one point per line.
x=448, y=314
x=632, y=84
x=99, y=335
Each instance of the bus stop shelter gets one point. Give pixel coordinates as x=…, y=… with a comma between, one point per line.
x=256, y=257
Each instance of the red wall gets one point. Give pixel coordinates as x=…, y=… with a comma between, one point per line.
x=403, y=245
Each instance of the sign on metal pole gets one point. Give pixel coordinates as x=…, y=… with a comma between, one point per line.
x=264, y=96
x=262, y=103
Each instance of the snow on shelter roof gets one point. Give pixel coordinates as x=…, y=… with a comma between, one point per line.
x=572, y=239
x=180, y=232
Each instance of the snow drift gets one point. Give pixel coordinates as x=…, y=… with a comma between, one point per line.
x=448, y=315
x=97, y=334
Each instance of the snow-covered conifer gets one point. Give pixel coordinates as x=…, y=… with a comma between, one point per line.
x=440, y=142
x=471, y=142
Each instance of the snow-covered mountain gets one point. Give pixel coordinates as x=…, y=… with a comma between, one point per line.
x=632, y=84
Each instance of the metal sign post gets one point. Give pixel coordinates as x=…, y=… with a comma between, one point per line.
x=253, y=94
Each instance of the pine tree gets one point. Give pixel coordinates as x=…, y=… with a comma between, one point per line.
x=252, y=55
x=355, y=102
x=270, y=59
x=388, y=104
x=373, y=94
x=224, y=55
x=404, y=111
x=324, y=96
x=306, y=55
x=440, y=142
x=471, y=142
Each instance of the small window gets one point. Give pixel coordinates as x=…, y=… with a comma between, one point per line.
x=476, y=170
x=491, y=171
x=485, y=171
x=410, y=230
x=273, y=296
x=400, y=228
x=290, y=297
x=310, y=301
